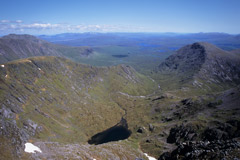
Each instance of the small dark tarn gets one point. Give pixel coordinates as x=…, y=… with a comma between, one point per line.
x=115, y=133
x=120, y=55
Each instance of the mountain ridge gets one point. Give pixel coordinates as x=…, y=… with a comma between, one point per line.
x=14, y=47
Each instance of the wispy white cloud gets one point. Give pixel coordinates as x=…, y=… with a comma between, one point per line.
x=18, y=26
x=9, y=21
x=19, y=21
x=4, y=21
x=39, y=26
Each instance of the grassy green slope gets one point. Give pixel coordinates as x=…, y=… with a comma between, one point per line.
x=69, y=101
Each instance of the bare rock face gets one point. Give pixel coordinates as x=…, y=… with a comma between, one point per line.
x=188, y=59
x=216, y=142
x=9, y=129
x=203, y=150
x=181, y=133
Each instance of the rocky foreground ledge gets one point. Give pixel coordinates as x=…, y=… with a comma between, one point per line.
x=219, y=149
x=219, y=142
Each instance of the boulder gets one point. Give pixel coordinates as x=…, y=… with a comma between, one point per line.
x=181, y=133
x=140, y=130
x=151, y=127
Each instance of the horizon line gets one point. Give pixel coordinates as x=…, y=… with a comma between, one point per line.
x=145, y=32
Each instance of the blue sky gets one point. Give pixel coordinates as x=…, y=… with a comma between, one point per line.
x=59, y=16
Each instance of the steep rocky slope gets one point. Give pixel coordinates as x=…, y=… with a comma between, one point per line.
x=49, y=99
x=14, y=47
x=204, y=127
x=197, y=114
x=202, y=65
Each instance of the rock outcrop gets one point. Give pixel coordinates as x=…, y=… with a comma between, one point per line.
x=217, y=142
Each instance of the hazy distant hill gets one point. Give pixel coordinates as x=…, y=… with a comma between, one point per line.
x=22, y=46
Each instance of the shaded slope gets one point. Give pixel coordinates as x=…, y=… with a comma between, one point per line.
x=14, y=47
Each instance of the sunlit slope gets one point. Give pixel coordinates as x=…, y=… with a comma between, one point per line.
x=54, y=99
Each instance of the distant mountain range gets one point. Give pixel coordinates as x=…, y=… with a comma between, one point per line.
x=14, y=47
x=222, y=40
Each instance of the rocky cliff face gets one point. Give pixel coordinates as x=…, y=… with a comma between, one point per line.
x=14, y=47
x=188, y=59
x=220, y=66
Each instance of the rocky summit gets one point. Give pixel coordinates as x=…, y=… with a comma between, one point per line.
x=202, y=65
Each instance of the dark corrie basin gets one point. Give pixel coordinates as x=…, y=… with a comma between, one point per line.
x=118, y=132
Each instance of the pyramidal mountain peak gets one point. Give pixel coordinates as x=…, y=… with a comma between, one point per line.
x=203, y=61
